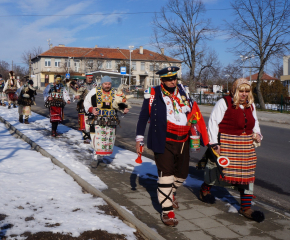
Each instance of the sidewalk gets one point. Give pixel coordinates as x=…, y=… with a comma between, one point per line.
x=134, y=187
x=263, y=116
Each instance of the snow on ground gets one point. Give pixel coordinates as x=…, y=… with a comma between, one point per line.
x=36, y=194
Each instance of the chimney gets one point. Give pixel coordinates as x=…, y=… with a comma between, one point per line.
x=162, y=51
x=141, y=50
x=96, y=46
x=50, y=46
x=61, y=45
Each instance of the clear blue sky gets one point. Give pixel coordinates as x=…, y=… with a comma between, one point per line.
x=22, y=29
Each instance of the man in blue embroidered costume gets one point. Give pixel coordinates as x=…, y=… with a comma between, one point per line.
x=2, y=94
x=26, y=98
x=98, y=103
x=55, y=98
x=80, y=95
x=167, y=107
x=10, y=89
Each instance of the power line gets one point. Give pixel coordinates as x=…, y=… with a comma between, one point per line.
x=94, y=14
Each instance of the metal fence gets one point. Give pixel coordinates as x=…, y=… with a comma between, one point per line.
x=277, y=103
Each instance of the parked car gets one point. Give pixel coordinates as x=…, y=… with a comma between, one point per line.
x=136, y=88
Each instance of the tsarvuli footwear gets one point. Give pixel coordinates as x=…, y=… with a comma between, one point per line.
x=257, y=216
x=9, y=106
x=206, y=197
x=14, y=105
x=26, y=121
x=169, y=219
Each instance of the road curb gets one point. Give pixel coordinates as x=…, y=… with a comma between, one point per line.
x=143, y=228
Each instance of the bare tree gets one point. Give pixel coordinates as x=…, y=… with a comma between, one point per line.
x=208, y=67
x=93, y=64
x=260, y=27
x=34, y=52
x=181, y=28
x=4, y=69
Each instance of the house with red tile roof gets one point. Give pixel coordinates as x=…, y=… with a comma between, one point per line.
x=265, y=77
x=78, y=61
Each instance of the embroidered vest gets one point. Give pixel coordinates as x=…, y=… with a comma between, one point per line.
x=104, y=102
x=236, y=121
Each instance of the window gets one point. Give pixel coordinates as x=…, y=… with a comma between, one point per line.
x=142, y=66
x=151, y=67
x=90, y=64
x=109, y=64
x=67, y=63
x=57, y=62
x=47, y=62
x=134, y=65
x=77, y=65
x=165, y=65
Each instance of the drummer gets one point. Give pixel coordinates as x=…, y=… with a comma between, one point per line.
x=88, y=84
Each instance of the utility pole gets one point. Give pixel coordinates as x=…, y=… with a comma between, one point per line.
x=12, y=66
x=130, y=49
x=29, y=67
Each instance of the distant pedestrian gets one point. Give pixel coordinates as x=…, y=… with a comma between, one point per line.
x=80, y=90
x=55, y=98
x=233, y=130
x=10, y=89
x=26, y=98
x=2, y=94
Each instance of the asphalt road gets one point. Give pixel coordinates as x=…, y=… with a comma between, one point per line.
x=272, y=174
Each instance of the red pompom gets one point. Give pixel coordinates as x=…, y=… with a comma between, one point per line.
x=171, y=215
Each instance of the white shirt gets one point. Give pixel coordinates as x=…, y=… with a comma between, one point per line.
x=217, y=116
x=170, y=111
x=88, y=99
x=7, y=83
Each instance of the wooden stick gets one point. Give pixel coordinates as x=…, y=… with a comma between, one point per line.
x=182, y=148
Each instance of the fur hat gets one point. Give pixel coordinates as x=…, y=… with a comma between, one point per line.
x=30, y=82
x=11, y=74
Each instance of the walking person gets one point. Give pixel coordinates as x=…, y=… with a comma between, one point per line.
x=234, y=131
x=10, y=89
x=99, y=103
x=80, y=91
x=26, y=98
x=55, y=98
x=2, y=94
x=167, y=106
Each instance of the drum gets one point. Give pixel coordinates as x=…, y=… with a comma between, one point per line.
x=82, y=122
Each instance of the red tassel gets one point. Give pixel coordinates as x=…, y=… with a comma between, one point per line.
x=138, y=159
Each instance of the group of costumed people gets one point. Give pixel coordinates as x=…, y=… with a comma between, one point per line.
x=23, y=96
x=97, y=109
x=233, y=132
